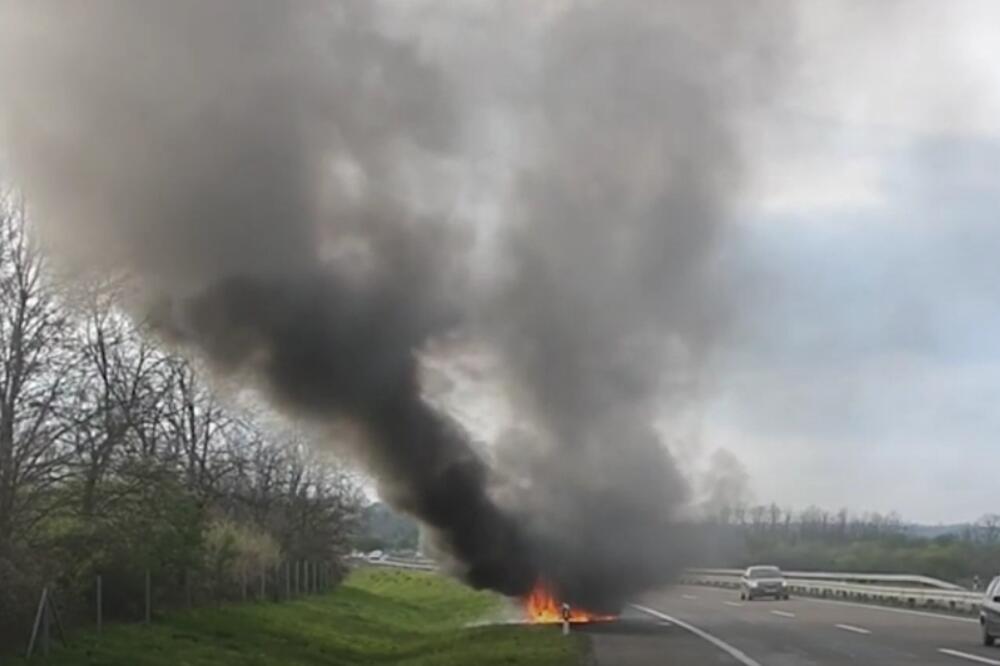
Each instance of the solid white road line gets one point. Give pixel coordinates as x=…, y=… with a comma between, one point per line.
x=971, y=657
x=734, y=604
x=782, y=613
x=717, y=642
x=851, y=627
x=888, y=609
x=689, y=597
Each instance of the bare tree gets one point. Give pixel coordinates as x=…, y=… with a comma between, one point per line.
x=774, y=515
x=842, y=520
x=120, y=390
x=196, y=424
x=117, y=457
x=988, y=528
x=740, y=514
x=33, y=371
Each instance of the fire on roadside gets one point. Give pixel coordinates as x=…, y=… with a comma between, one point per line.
x=542, y=607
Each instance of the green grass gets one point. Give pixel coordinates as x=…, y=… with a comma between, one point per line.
x=378, y=616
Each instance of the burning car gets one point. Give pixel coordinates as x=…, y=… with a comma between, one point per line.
x=541, y=606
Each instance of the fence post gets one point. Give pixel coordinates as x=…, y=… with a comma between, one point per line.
x=42, y=609
x=100, y=603
x=149, y=597
x=263, y=582
x=46, y=629
x=288, y=580
x=298, y=567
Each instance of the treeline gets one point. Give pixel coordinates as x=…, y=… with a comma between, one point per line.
x=382, y=528
x=820, y=540
x=116, y=459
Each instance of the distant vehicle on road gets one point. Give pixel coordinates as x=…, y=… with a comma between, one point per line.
x=763, y=581
x=989, y=612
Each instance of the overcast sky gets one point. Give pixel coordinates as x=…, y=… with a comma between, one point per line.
x=862, y=369
x=869, y=374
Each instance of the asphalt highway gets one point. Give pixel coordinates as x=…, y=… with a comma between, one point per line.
x=702, y=625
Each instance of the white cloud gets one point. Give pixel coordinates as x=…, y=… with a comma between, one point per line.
x=864, y=81
x=791, y=180
x=920, y=66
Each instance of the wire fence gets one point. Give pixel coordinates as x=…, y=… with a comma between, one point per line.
x=143, y=596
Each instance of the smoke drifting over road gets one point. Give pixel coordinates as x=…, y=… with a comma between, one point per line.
x=279, y=181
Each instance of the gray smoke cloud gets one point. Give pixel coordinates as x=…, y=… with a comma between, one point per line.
x=279, y=181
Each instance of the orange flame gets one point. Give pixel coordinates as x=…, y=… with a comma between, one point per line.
x=542, y=607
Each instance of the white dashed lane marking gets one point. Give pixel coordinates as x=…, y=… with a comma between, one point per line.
x=887, y=609
x=734, y=604
x=689, y=597
x=852, y=628
x=782, y=613
x=969, y=657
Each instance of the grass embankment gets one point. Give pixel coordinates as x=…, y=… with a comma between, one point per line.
x=378, y=616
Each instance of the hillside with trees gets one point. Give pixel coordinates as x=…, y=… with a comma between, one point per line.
x=381, y=528
x=118, y=460
x=819, y=540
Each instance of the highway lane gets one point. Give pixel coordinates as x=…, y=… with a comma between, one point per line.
x=809, y=632
x=641, y=640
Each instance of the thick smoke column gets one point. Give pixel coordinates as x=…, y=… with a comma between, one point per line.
x=611, y=298
x=271, y=177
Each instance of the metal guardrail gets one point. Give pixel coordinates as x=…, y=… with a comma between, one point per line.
x=900, y=580
x=397, y=563
x=953, y=600
x=842, y=586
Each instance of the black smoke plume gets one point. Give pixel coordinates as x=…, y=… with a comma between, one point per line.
x=312, y=194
